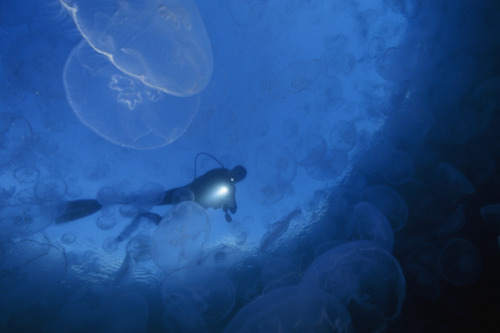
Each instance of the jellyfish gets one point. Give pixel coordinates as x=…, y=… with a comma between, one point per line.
x=181, y=236
x=15, y=136
x=50, y=189
x=343, y=136
x=26, y=174
x=31, y=271
x=460, y=262
x=451, y=182
x=277, y=273
x=371, y=224
x=399, y=63
x=292, y=309
x=491, y=215
x=120, y=107
x=27, y=219
x=163, y=44
x=310, y=150
x=365, y=277
x=297, y=77
x=195, y=297
x=276, y=168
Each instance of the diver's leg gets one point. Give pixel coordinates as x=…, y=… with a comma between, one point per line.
x=134, y=224
x=176, y=195
x=167, y=199
x=76, y=209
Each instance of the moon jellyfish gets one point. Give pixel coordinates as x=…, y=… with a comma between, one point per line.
x=399, y=63
x=390, y=203
x=292, y=309
x=454, y=223
x=371, y=224
x=105, y=222
x=276, y=169
x=68, y=238
x=31, y=271
x=15, y=136
x=50, y=189
x=222, y=257
x=365, y=277
x=451, y=182
x=26, y=219
x=181, y=236
x=164, y=43
x=297, y=77
x=343, y=136
x=422, y=284
x=310, y=150
x=491, y=215
x=331, y=166
x=26, y=174
x=460, y=262
x=121, y=108
x=195, y=297
x=278, y=273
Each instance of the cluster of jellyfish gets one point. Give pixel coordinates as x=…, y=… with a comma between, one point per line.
x=393, y=231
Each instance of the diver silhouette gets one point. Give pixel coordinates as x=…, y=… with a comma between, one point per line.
x=214, y=189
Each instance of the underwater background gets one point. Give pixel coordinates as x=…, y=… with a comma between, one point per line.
x=369, y=131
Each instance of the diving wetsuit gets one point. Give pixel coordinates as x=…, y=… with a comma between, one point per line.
x=215, y=189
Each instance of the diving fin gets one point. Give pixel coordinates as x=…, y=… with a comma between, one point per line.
x=76, y=209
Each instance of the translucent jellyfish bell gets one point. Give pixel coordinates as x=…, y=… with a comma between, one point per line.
x=365, y=278
x=292, y=309
x=195, y=297
x=163, y=43
x=121, y=108
x=181, y=236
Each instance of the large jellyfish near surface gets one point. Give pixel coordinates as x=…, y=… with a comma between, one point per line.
x=195, y=297
x=121, y=108
x=181, y=236
x=292, y=309
x=365, y=277
x=460, y=262
x=162, y=43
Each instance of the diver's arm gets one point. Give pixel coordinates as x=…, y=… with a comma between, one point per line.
x=229, y=205
x=231, y=202
x=132, y=226
x=233, y=208
x=168, y=199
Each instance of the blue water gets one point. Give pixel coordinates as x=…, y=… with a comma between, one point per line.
x=368, y=129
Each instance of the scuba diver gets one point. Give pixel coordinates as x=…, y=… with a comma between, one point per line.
x=214, y=189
